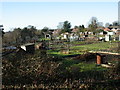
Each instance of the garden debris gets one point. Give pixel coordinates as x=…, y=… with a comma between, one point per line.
x=86, y=57
x=65, y=52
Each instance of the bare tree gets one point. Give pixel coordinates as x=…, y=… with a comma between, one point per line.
x=93, y=24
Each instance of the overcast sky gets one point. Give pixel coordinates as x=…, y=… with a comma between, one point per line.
x=41, y=14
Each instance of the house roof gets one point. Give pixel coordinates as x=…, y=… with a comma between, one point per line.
x=115, y=26
x=28, y=44
x=57, y=31
x=75, y=30
x=100, y=28
x=107, y=29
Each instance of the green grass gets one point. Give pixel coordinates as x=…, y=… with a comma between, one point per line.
x=71, y=65
x=94, y=46
x=75, y=48
x=56, y=52
x=77, y=42
x=83, y=67
x=89, y=67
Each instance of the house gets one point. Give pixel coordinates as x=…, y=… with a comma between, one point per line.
x=107, y=37
x=73, y=37
x=110, y=33
x=65, y=36
x=118, y=32
x=115, y=28
x=117, y=38
x=56, y=33
x=102, y=33
x=48, y=36
x=75, y=30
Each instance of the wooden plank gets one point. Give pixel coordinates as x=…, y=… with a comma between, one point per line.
x=104, y=52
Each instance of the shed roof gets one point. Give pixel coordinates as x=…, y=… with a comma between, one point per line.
x=28, y=44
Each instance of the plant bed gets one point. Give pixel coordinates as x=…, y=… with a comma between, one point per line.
x=86, y=57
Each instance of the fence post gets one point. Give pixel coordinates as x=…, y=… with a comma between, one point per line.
x=99, y=59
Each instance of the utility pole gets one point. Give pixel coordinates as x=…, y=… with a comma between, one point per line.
x=119, y=14
x=1, y=31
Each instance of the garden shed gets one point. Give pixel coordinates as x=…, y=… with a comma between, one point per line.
x=29, y=47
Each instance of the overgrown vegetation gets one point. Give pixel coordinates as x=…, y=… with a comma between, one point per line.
x=55, y=71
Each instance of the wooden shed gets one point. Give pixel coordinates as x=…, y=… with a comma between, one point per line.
x=29, y=47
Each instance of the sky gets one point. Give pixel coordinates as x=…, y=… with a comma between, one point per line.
x=40, y=14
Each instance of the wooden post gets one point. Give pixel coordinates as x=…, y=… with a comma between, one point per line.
x=99, y=59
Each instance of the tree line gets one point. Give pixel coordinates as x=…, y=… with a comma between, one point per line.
x=30, y=33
